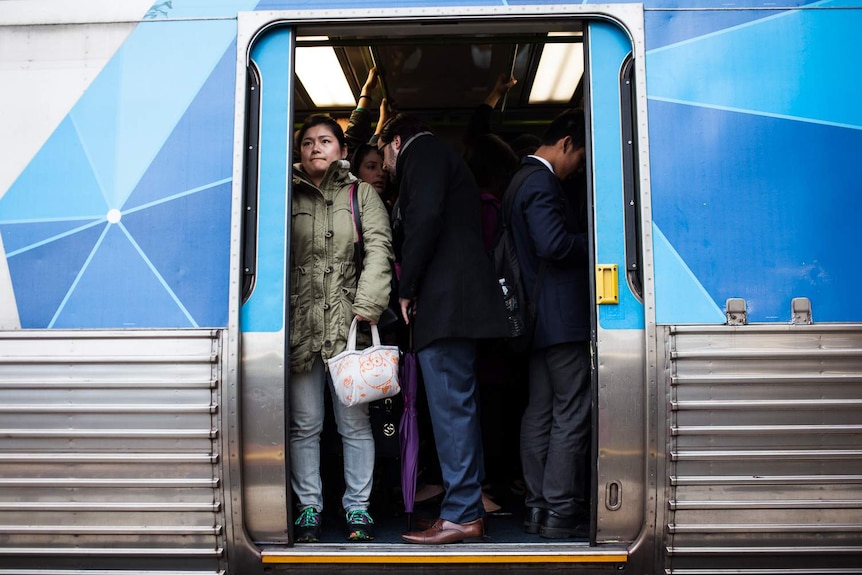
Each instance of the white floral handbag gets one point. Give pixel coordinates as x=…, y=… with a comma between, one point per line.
x=362, y=376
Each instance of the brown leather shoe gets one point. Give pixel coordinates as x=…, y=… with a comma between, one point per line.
x=423, y=523
x=442, y=532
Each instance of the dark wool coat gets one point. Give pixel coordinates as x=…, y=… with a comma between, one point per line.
x=545, y=227
x=444, y=264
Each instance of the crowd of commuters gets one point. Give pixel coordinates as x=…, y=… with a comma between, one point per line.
x=430, y=216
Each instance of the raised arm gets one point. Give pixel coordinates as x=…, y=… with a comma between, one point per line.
x=359, y=127
x=480, y=122
x=385, y=114
x=502, y=86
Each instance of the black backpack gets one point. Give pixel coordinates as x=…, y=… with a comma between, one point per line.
x=521, y=309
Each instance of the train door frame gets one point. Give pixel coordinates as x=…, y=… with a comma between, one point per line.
x=251, y=26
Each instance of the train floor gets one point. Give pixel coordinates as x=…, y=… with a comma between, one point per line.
x=502, y=412
x=503, y=525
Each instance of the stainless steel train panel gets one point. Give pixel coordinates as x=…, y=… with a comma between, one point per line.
x=109, y=450
x=265, y=480
x=765, y=469
x=620, y=421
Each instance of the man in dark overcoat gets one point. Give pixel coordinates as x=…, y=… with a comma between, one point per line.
x=549, y=232
x=449, y=292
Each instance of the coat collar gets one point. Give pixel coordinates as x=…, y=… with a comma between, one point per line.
x=337, y=173
x=542, y=161
x=403, y=149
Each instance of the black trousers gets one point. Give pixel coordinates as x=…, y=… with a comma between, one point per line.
x=555, y=429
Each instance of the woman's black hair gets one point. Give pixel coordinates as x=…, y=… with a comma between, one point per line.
x=359, y=155
x=317, y=120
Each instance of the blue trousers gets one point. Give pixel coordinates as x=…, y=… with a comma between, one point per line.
x=450, y=385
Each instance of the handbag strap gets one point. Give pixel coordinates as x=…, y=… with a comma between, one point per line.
x=358, y=256
x=359, y=253
x=351, y=335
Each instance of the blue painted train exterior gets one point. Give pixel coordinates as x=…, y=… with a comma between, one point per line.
x=121, y=218
x=120, y=234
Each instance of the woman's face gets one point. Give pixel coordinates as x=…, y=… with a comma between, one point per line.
x=318, y=149
x=371, y=170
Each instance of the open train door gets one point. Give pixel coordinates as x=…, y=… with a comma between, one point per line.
x=264, y=313
x=615, y=105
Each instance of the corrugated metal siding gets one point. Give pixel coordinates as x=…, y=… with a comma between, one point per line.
x=765, y=449
x=108, y=451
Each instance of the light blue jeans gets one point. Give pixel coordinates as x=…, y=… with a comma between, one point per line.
x=306, y=422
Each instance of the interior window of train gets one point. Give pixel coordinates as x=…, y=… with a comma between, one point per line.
x=442, y=74
x=443, y=78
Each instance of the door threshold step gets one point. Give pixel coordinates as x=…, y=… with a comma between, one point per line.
x=398, y=553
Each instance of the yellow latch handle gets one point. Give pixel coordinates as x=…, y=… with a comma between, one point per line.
x=607, y=284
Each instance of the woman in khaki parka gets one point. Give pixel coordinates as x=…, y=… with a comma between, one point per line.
x=326, y=293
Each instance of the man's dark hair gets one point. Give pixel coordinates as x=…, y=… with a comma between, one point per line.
x=569, y=123
x=316, y=120
x=525, y=144
x=404, y=126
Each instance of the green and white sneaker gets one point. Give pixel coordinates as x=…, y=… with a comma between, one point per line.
x=360, y=525
x=307, y=528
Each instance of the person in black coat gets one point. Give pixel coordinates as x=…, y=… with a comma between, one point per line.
x=449, y=292
x=549, y=233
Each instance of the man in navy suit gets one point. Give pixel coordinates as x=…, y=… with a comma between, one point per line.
x=555, y=429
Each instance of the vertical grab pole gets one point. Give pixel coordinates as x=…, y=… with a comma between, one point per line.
x=381, y=75
x=511, y=74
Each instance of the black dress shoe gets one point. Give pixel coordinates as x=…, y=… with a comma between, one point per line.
x=533, y=519
x=556, y=526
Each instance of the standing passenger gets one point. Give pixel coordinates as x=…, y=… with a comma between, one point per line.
x=326, y=293
x=555, y=429
x=366, y=161
x=448, y=287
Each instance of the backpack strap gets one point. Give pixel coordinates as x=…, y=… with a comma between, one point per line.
x=508, y=202
x=512, y=190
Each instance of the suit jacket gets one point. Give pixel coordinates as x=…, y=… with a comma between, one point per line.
x=444, y=263
x=545, y=227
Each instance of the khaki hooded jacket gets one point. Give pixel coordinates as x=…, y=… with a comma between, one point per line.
x=326, y=290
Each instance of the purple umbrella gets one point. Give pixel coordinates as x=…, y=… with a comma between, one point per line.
x=408, y=431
